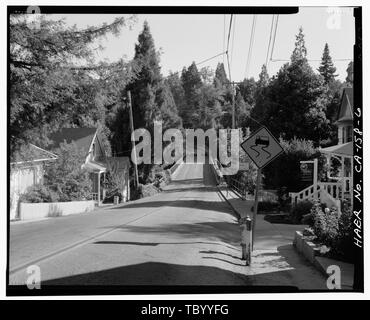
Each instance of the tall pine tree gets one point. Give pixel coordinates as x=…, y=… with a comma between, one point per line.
x=327, y=69
x=143, y=89
x=300, y=51
x=191, y=81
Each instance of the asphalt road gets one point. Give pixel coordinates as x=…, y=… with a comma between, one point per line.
x=186, y=235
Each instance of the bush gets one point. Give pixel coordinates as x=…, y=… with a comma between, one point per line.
x=308, y=219
x=66, y=177
x=334, y=230
x=267, y=206
x=39, y=193
x=299, y=210
x=285, y=170
x=325, y=224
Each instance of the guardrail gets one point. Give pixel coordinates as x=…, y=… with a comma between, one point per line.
x=238, y=186
x=175, y=166
x=216, y=170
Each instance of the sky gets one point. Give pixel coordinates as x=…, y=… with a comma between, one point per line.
x=184, y=38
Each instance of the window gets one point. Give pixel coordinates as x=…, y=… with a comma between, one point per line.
x=349, y=130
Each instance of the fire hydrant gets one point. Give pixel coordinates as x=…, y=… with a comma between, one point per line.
x=246, y=238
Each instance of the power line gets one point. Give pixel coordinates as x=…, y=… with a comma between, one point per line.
x=217, y=55
x=223, y=47
x=198, y=63
x=268, y=48
x=273, y=43
x=228, y=36
x=232, y=44
x=310, y=60
x=251, y=41
x=287, y=60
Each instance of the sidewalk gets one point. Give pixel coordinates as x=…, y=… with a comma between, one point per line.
x=274, y=260
x=277, y=237
x=267, y=235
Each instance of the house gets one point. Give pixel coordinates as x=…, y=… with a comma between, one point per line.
x=96, y=161
x=342, y=153
x=339, y=186
x=345, y=117
x=25, y=171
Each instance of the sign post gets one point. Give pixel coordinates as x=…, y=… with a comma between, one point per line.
x=262, y=148
x=255, y=207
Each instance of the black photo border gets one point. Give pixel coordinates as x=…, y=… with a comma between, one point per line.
x=358, y=286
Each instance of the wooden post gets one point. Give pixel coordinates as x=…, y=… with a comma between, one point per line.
x=255, y=207
x=233, y=107
x=343, y=177
x=133, y=142
x=99, y=188
x=315, y=173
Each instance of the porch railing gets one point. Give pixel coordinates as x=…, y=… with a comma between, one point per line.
x=308, y=193
x=94, y=196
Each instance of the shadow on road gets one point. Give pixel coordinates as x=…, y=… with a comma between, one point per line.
x=154, y=273
x=215, y=231
x=130, y=243
x=179, y=203
x=219, y=252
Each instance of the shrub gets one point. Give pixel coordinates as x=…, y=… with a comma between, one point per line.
x=326, y=224
x=334, y=230
x=308, y=219
x=267, y=206
x=299, y=210
x=344, y=243
x=39, y=193
x=66, y=177
x=285, y=170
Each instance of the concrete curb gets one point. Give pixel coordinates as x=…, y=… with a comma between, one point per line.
x=310, y=251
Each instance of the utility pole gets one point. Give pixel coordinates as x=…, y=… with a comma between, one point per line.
x=133, y=141
x=255, y=207
x=233, y=83
x=233, y=107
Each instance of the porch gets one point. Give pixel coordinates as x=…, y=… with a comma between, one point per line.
x=339, y=186
x=97, y=176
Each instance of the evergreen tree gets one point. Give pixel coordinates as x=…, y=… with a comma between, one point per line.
x=349, y=77
x=300, y=51
x=53, y=79
x=220, y=76
x=260, y=98
x=168, y=108
x=191, y=82
x=263, y=78
x=294, y=102
x=174, y=83
x=247, y=90
x=327, y=69
x=143, y=88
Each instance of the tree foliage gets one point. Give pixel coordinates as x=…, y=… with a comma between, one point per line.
x=53, y=79
x=327, y=69
x=294, y=102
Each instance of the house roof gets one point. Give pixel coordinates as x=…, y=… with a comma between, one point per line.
x=95, y=166
x=345, y=149
x=82, y=137
x=345, y=112
x=32, y=153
